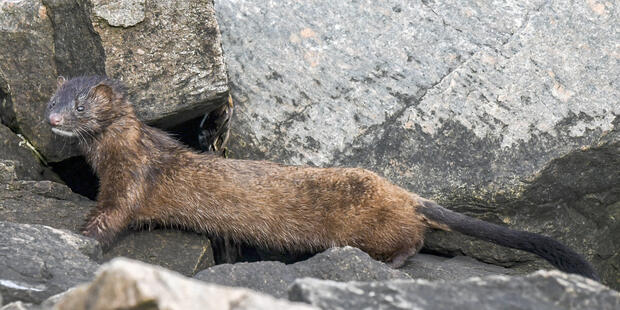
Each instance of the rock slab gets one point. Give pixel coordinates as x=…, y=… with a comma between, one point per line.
x=126, y=284
x=274, y=278
x=39, y=261
x=541, y=290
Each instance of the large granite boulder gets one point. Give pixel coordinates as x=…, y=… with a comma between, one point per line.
x=174, y=70
x=504, y=112
x=274, y=278
x=126, y=284
x=40, y=261
x=541, y=290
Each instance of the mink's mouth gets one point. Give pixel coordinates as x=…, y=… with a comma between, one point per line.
x=65, y=133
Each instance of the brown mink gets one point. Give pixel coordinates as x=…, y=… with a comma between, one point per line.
x=148, y=177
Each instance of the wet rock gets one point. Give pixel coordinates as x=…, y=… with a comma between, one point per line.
x=512, y=120
x=431, y=267
x=168, y=53
x=129, y=284
x=53, y=204
x=541, y=290
x=274, y=278
x=40, y=261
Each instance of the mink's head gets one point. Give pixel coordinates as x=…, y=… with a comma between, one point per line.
x=85, y=106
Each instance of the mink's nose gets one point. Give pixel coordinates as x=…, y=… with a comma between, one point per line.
x=55, y=119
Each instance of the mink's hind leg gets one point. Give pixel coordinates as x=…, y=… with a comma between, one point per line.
x=399, y=258
x=105, y=225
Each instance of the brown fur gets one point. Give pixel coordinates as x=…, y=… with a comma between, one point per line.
x=146, y=176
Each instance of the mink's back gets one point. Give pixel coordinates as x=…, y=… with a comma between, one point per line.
x=269, y=203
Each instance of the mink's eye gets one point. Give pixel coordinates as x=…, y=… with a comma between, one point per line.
x=80, y=108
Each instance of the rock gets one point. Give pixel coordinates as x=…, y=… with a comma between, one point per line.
x=507, y=113
x=47, y=304
x=541, y=290
x=40, y=261
x=44, y=203
x=18, y=305
x=168, y=53
x=77, y=47
x=183, y=252
x=27, y=70
x=274, y=278
x=13, y=148
x=7, y=171
x=127, y=284
x=431, y=267
x=33, y=202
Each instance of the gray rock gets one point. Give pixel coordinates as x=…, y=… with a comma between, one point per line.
x=77, y=48
x=505, y=112
x=125, y=13
x=16, y=149
x=40, y=261
x=181, y=251
x=27, y=70
x=274, y=278
x=53, y=204
x=541, y=290
x=431, y=267
x=18, y=305
x=170, y=58
x=45, y=203
x=126, y=284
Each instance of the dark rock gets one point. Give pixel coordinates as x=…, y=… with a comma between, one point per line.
x=168, y=53
x=541, y=290
x=511, y=120
x=183, y=252
x=338, y=264
x=126, y=284
x=77, y=47
x=27, y=70
x=12, y=147
x=431, y=267
x=43, y=202
x=53, y=204
x=40, y=261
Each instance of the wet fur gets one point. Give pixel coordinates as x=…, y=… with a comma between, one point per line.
x=148, y=177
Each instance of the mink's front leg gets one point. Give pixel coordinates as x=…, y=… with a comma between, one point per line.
x=104, y=224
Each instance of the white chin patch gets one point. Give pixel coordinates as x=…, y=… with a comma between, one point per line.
x=63, y=133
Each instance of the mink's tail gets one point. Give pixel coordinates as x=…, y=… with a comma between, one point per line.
x=553, y=251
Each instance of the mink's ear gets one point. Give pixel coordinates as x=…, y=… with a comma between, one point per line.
x=60, y=80
x=101, y=91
